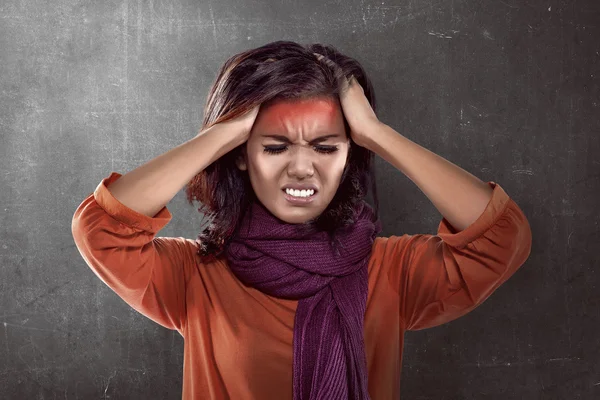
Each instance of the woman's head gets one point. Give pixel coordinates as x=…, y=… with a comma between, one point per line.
x=300, y=138
x=296, y=145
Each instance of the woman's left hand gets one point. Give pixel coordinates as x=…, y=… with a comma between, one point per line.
x=358, y=112
x=355, y=106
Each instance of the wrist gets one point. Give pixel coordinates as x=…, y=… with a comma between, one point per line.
x=374, y=136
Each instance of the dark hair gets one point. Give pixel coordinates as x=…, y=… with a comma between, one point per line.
x=281, y=70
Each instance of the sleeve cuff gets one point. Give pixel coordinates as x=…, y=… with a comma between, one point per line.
x=126, y=215
x=494, y=209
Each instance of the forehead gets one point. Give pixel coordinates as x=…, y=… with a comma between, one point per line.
x=304, y=114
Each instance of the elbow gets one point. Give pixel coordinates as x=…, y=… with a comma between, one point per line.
x=521, y=238
x=523, y=243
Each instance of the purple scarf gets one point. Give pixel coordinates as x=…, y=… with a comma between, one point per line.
x=278, y=259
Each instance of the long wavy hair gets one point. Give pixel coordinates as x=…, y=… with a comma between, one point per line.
x=280, y=70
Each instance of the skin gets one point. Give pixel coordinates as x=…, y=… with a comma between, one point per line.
x=299, y=161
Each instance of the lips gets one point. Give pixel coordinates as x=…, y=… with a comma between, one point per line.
x=299, y=200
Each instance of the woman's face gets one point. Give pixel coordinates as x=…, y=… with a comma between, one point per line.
x=296, y=144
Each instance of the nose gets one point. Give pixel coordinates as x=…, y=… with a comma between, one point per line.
x=301, y=163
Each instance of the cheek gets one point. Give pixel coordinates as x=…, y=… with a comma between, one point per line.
x=330, y=168
x=265, y=167
x=338, y=162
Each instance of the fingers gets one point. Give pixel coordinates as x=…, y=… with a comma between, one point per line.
x=327, y=61
x=347, y=81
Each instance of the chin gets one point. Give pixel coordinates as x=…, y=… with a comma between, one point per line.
x=293, y=218
x=293, y=215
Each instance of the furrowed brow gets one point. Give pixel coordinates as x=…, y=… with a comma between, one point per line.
x=285, y=139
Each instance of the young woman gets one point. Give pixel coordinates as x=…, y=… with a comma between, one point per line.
x=289, y=293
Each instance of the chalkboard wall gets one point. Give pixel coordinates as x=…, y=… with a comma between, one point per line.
x=506, y=89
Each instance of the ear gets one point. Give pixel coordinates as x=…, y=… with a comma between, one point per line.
x=241, y=160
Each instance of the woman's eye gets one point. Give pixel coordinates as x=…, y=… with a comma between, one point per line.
x=326, y=149
x=274, y=150
x=320, y=149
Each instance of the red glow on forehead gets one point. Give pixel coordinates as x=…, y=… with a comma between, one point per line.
x=325, y=108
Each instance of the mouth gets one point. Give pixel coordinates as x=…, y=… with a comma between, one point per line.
x=305, y=197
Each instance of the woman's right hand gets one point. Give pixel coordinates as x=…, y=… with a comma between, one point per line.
x=246, y=121
x=240, y=126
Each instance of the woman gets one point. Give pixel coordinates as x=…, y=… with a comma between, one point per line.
x=289, y=293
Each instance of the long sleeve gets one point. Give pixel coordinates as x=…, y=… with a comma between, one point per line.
x=149, y=273
x=441, y=277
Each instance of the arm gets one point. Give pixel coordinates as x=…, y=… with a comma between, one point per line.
x=458, y=195
x=148, y=188
x=441, y=277
x=120, y=247
x=115, y=227
x=483, y=238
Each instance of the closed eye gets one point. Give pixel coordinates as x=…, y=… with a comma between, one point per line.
x=319, y=149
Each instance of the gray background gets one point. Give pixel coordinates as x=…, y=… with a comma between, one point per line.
x=506, y=89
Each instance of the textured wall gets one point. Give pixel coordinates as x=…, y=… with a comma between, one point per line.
x=506, y=89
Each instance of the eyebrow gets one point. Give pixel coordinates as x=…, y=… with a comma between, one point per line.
x=285, y=139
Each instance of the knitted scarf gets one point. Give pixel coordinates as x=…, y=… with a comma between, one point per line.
x=284, y=261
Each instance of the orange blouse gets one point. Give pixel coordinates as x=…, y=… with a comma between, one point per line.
x=238, y=340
